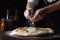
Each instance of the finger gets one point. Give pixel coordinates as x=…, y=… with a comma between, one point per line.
x=36, y=18
x=30, y=13
x=35, y=14
x=26, y=13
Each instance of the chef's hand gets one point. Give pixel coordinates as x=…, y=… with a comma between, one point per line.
x=38, y=15
x=27, y=13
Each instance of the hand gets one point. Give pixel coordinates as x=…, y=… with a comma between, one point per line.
x=27, y=13
x=38, y=15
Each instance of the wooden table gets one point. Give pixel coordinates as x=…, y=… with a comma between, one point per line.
x=3, y=36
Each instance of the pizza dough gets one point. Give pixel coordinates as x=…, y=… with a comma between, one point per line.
x=31, y=31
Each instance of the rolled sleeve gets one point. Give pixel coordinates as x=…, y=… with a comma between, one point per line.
x=34, y=1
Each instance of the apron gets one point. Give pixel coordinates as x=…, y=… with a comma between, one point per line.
x=51, y=20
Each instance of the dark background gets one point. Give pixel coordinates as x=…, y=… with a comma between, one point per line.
x=51, y=20
x=13, y=5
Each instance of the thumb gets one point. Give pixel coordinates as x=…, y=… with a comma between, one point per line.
x=26, y=13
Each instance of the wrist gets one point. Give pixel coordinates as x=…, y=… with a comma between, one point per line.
x=43, y=11
x=28, y=8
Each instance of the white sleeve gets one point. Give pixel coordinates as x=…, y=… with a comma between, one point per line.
x=34, y=1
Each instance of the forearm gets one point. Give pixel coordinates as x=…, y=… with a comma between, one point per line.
x=30, y=5
x=51, y=8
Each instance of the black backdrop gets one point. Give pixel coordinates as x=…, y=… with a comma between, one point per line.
x=13, y=5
